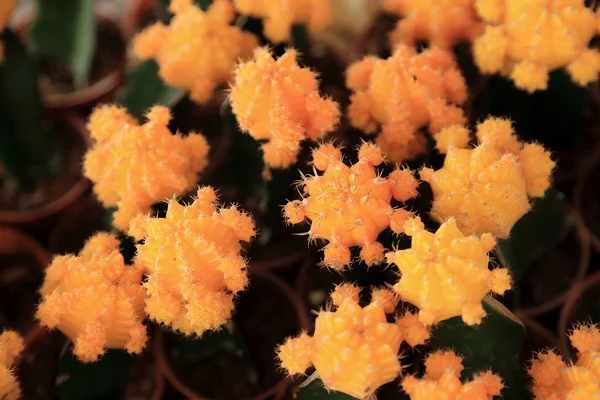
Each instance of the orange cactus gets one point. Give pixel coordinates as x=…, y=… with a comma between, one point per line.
x=525, y=40
x=403, y=94
x=193, y=262
x=446, y=274
x=486, y=188
x=553, y=379
x=198, y=50
x=280, y=15
x=279, y=102
x=354, y=349
x=442, y=381
x=442, y=23
x=95, y=299
x=350, y=205
x=135, y=166
x=11, y=344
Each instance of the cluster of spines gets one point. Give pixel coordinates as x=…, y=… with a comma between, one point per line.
x=11, y=345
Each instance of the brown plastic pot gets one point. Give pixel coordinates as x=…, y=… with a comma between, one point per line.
x=589, y=166
x=276, y=391
x=39, y=218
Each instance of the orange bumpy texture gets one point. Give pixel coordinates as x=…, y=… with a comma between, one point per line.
x=526, y=39
x=135, y=166
x=11, y=344
x=553, y=379
x=197, y=50
x=280, y=15
x=403, y=94
x=442, y=381
x=442, y=23
x=350, y=205
x=486, y=188
x=279, y=102
x=446, y=274
x=354, y=349
x=95, y=299
x=192, y=258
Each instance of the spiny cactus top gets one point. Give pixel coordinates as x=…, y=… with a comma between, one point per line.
x=442, y=381
x=442, y=23
x=486, y=188
x=354, y=349
x=279, y=101
x=193, y=261
x=553, y=379
x=11, y=344
x=95, y=299
x=350, y=205
x=197, y=50
x=280, y=15
x=526, y=39
x=446, y=274
x=403, y=94
x=135, y=166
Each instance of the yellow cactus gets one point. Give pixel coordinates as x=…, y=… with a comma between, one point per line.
x=11, y=345
x=354, y=350
x=350, y=205
x=135, y=166
x=442, y=23
x=197, y=50
x=486, y=188
x=553, y=379
x=446, y=274
x=442, y=381
x=192, y=258
x=280, y=15
x=403, y=94
x=95, y=299
x=278, y=101
x=527, y=39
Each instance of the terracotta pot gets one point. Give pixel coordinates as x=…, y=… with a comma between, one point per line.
x=136, y=16
x=38, y=218
x=276, y=391
x=102, y=90
x=580, y=299
x=589, y=167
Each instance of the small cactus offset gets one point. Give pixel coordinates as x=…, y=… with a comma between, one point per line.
x=403, y=94
x=95, y=299
x=192, y=258
x=354, y=349
x=188, y=48
x=11, y=345
x=278, y=101
x=350, y=205
x=135, y=166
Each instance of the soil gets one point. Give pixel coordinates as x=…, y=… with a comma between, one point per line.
x=56, y=77
x=72, y=149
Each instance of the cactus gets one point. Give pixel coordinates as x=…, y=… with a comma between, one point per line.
x=11, y=344
x=403, y=94
x=95, y=299
x=350, y=205
x=197, y=50
x=354, y=350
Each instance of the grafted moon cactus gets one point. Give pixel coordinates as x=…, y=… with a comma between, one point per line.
x=403, y=94
x=95, y=299
x=192, y=258
x=197, y=50
x=279, y=102
x=350, y=205
x=446, y=274
x=354, y=349
x=11, y=344
x=525, y=40
x=135, y=166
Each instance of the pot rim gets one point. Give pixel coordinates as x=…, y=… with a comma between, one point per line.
x=23, y=241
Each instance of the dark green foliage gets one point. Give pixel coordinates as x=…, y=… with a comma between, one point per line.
x=316, y=391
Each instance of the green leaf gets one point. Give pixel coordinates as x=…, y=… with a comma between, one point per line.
x=495, y=345
x=65, y=31
x=545, y=225
x=104, y=379
x=144, y=88
x=316, y=391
